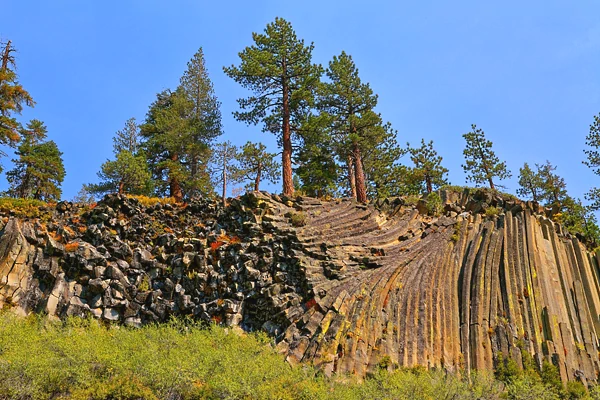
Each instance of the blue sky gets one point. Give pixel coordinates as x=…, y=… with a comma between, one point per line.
x=528, y=73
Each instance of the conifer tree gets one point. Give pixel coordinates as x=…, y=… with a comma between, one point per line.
x=167, y=137
x=278, y=69
x=204, y=121
x=481, y=163
x=384, y=175
x=254, y=163
x=531, y=183
x=580, y=220
x=12, y=97
x=223, y=155
x=428, y=166
x=128, y=172
x=355, y=126
x=593, y=160
x=554, y=188
x=39, y=171
x=317, y=170
x=84, y=196
x=128, y=138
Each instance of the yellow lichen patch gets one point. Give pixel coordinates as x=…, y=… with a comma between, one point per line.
x=151, y=201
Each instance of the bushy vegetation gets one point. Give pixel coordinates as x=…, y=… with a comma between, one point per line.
x=24, y=208
x=151, y=201
x=83, y=359
x=297, y=219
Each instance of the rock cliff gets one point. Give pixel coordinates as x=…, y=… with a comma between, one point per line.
x=345, y=286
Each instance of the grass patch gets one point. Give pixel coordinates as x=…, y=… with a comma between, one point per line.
x=151, y=201
x=24, y=208
x=83, y=359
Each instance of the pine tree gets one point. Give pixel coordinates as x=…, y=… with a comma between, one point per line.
x=127, y=139
x=204, y=121
x=481, y=163
x=531, y=183
x=255, y=164
x=554, y=188
x=317, y=171
x=39, y=171
x=84, y=196
x=21, y=177
x=12, y=97
x=349, y=102
x=384, y=175
x=428, y=166
x=579, y=220
x=223, y=155
x=593, y=160
x=167, y=138
x=128, y=172
x=278, y=69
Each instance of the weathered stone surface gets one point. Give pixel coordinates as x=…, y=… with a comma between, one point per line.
x=353, y=285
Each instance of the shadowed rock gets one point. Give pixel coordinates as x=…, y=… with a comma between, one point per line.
x=339, y=284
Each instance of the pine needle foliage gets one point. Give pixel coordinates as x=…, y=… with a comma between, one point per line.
x=481, y=163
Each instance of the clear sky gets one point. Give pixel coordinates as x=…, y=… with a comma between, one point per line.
x=527, y=72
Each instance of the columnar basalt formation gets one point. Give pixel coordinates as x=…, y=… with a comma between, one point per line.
x=345, y=286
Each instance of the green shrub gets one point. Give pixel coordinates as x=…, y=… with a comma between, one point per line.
x=24, y=208
x=298, y=219
x=576, y=390
x=411, y=200
x=434, y=204
x=145, y=284
x=182, y=359
x=492, y=211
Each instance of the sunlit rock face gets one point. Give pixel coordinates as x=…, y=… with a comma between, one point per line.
x=344, y=286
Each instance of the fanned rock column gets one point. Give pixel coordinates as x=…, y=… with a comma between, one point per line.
x=344, y=286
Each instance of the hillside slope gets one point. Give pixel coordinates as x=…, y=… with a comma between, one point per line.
x=339, y=284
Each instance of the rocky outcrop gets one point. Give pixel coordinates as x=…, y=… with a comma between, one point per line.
x=345, y=286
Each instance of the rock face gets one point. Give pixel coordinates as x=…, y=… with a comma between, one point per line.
x=345, y=286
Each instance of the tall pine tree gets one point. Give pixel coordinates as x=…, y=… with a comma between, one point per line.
x=593, y=159
x=355, y=126
x=128, y=172
x=204, y=121
x=12, y=97
x=481, y=163
x=531, y=183
x=223, y=156
x=317, y=170
x=167, y=138
x=428, y=166
x=278, y=69
x=39, y=171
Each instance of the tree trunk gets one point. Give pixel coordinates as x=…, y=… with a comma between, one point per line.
x=485, y=168
x=6, y=56
x=224, y=182
x=257, y=179
x=361, y=188
x=351, y=176
x=286, y=155
x=428, y=183
x=174, y=185
x=121, y=186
